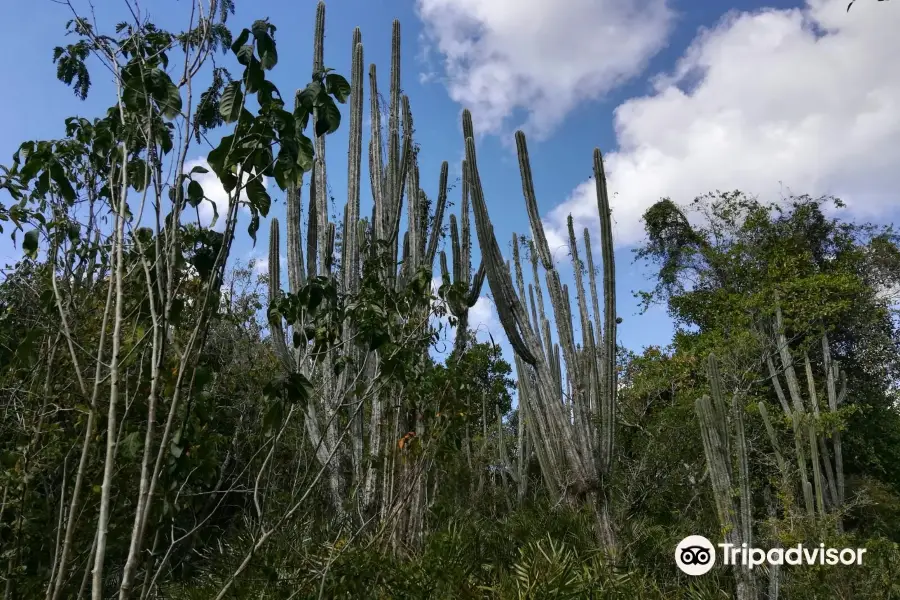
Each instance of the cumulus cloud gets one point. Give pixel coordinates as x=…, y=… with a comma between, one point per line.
x=541, y=57
x=773, y=102
x=215, y=192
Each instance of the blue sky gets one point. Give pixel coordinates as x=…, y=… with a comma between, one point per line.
x=682, y=97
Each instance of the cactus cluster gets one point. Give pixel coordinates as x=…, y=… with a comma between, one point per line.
x=825, y=493
x=561, y=399
x=567, y=389
x=725, y=444
x=352, y=398
x=462, y=291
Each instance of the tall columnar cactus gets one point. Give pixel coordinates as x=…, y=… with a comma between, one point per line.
x=353, y=422
x=825, y=493
x=725, y=443
x=574, y=453
x=462, y=291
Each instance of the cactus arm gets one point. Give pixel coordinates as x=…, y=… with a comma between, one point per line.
x=438, y=216
x=350, y=251
x=834, y=399
x=376, y=160
x=498, y=277
x=592, y=282
x=277, y=329
x=319, y=180
x=820, y=439
x=477, y=283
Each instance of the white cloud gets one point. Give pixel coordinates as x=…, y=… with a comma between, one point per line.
x=215, y=192
x=483, y=320
x=542, y=57
x=775, y=102
x=261, y=265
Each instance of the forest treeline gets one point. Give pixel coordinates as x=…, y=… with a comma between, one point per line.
x=176, y=424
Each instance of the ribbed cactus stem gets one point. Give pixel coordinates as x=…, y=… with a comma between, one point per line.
x=498, y=276
x=350, y=251
x=609, y=386
x=736, y=521
x=773, y=439
x=312, y=227
x=718, y=462
x=438, y=215
x=787, y=361
x=413, y=213
x=834, y=400
x=579, y=284
x=746, y=504
x=808, y=500
x=394, y=179
x=808, y=492
x=718, y=400
x=319, y=180
x=455, y=249
x=319, y=39
x=423, y=209
x=276, y=327
x=376, y=160
x=558, y=297
x=465, y=227
x=517, y=262
x=830, y=482
x=592, y=282
x=329, y=248
x=818, y=487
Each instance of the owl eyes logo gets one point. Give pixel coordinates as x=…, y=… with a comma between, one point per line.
x=695, y=555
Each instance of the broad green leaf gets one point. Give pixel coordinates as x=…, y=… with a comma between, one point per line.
x=195, y=193
x=30, y=244
x=215, y=218
x=273, y=418
x=232, y=102
x=63, y=186
x=175, y=449
x=301, y=116
x=265, y=47
x=253, y=75
x=241, y=40
x=245, y=54
x=258, y=196
x=165, y=93
x=298, y=388
x=199, y=169
x=337, y=86
x=306, y=153
x=328, y=117
x=216, y=157
x=254, y=226
x=307, y=98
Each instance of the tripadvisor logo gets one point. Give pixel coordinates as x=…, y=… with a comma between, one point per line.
x=696, y=555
